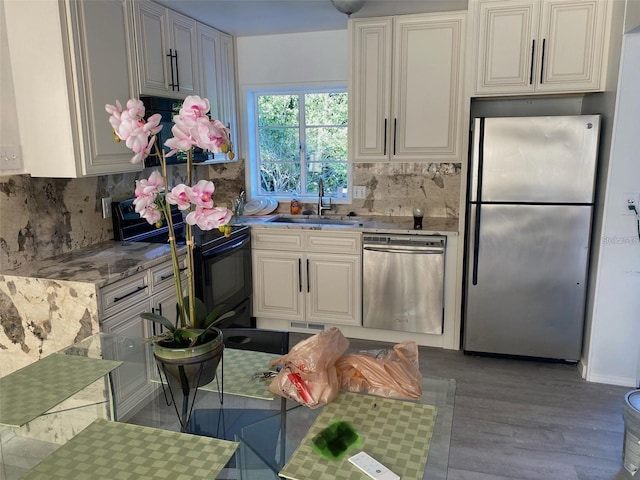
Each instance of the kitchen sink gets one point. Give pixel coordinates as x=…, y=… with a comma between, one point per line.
x=316, y=220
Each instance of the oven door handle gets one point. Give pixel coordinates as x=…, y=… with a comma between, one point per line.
x=226, y=248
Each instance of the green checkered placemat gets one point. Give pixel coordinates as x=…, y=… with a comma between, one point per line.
x=239, y=367
x=111, y=450
x=395, y=432
x=31, y=391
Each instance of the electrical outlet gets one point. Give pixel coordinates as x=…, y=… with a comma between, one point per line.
x=106, y=207
x=630, y=200
x=10, y=158
x=360, y=192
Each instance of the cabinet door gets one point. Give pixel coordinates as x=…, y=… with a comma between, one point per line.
x=571, y=55
x=131, y=380
x=333, y=290
x=106, y=75
x=370, y=122
x=182, y=41
x=152, y=47
x=428, y=58
x=227, y=86
x=506, y=46
x=208, y=48
x=278, y=285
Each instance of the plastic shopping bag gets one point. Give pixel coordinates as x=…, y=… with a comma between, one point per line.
x=308, y=373
x=386, y=373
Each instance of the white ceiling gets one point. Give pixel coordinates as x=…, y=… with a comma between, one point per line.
x=243, y=18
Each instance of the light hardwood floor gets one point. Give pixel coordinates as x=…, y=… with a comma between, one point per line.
x=525, y=420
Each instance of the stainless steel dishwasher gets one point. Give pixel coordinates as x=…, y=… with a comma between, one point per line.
x=403, y=282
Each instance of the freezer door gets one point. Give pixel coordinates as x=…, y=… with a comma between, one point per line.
x=525, y=289
x=535, y=159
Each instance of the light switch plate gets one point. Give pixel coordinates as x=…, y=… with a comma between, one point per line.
x=359, y=192
x=10, y=158
x=106, y=207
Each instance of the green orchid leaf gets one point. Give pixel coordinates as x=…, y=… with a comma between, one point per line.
x=154, y=317
x=200, y=308
x=212, y=321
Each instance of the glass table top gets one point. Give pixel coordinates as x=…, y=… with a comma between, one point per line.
x=255, y=423
x=263, y=452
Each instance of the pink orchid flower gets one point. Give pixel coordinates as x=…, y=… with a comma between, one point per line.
x=209, y=218
x=151, y=213
x=194, y=108
x=182, y=139
x=180, y=196
x=202, y=194
x=149, y=188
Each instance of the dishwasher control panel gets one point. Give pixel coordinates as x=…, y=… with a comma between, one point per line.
x=436, y=241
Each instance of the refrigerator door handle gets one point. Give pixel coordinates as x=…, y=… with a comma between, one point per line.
x=476, y=220
x=476, y=245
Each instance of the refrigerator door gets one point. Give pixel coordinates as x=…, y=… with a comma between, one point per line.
x=526, y=279
x=535, y=159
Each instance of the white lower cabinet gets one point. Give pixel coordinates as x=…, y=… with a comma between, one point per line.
x=122, y=303
x=307, y=276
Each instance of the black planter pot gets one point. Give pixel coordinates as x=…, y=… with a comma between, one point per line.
x=187, y=368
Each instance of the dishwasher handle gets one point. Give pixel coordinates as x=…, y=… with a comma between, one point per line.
x=415, y=251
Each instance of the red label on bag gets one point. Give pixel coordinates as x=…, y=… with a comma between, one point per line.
x=301, y=387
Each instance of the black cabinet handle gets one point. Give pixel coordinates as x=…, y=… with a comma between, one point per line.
x=544, y=41
x=177, y=72
x=170, y=55
x=300, y=275
x=308, y=278
x=395, y=134
x=166, y=277
x=385, y=136
x=533, y=56
x=117, y=299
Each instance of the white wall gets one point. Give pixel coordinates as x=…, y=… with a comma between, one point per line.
x=614, y=342
x=281, y=60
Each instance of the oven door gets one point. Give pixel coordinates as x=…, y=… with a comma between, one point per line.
x=224, y=277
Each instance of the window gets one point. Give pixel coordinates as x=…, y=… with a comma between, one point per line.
x=299, y=138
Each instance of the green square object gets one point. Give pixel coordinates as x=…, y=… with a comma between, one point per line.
x=334, y=441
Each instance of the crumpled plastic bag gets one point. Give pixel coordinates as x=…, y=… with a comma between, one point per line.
x=385, y=373
x=308, y=374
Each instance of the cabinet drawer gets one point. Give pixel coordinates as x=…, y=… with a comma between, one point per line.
x=125, y=293
x=162, y=276
x=333, y=242
x=270, y=239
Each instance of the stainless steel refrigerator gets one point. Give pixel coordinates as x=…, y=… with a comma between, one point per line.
x=529, y=213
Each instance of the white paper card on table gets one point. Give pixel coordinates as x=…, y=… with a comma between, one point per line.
x=372, y=467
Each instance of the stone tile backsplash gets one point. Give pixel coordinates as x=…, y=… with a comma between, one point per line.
x=43, y=217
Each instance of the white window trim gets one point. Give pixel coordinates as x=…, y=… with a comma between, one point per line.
x=247, y=97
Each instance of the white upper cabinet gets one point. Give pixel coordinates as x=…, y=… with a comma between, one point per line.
x=166, y=51
x=216, y=61
x=539, y=46
x=406, y=88
x=79, y=59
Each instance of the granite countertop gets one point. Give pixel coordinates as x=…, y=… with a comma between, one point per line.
x=100, y=264
x=372, y=224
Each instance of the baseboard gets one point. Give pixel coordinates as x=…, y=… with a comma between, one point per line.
x=611, y=380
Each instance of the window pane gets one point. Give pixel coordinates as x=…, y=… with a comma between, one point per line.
x=279, y=177
x=326, y=108
x=334, y=177
x=327, y=143
x=279, y=144
x=278, y=110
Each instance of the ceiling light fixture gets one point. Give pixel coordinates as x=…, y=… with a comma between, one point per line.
x=347, y=6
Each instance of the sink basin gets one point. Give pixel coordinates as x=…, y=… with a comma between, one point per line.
x=315, y=220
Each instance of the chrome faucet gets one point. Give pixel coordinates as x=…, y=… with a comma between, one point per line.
x=321, y=205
